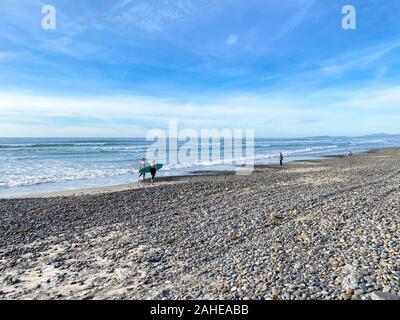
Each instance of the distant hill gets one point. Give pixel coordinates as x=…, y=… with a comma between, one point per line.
x=373, y=135
x=382, y=135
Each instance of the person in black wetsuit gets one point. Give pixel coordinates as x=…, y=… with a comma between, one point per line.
x=153, y=170
x=142, y=165
x=281, y=158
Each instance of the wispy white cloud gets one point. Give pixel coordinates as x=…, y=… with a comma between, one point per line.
x=380, y=74
x=8, y=54
x=152, y=16
x=272, y=114
x=79, y=49
x=232, y=39
x=367, y=99
x=357, y=59
x=301, y=10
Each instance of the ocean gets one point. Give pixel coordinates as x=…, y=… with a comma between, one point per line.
x=36, y=165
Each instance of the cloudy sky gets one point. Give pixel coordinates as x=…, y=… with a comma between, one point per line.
x=119, y=68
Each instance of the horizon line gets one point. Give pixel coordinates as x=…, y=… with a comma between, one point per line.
x=143, y=137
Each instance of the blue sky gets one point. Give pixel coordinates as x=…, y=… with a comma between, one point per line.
x=119, y=68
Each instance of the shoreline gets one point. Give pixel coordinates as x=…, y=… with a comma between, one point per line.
x=137, y=185
x=163, y=180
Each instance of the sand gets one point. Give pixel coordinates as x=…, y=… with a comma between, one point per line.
x=321, y=229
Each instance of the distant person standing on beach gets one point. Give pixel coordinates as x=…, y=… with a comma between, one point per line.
x=142, y=165
x=281, y=158
x=350, y=153
x=153, y=170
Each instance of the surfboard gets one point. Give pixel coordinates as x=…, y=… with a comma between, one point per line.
x=147, y=168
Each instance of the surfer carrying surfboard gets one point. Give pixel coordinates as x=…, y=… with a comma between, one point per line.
x=153, y=170
x=142, y=165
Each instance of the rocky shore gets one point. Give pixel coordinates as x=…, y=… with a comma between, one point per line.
x=322, y=229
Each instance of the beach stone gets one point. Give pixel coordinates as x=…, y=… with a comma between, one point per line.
x=165, y=293
x=349, y=291
x=155, y=259
x=358, y=292
x=286, y=296
x=379, y=295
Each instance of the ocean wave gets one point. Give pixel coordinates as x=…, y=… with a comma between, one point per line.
x=61, y=175
x=69, y=145
x=241, y=159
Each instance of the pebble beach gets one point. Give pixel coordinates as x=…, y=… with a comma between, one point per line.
x=316, y=229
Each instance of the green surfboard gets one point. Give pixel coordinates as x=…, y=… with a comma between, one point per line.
x=147, y=168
